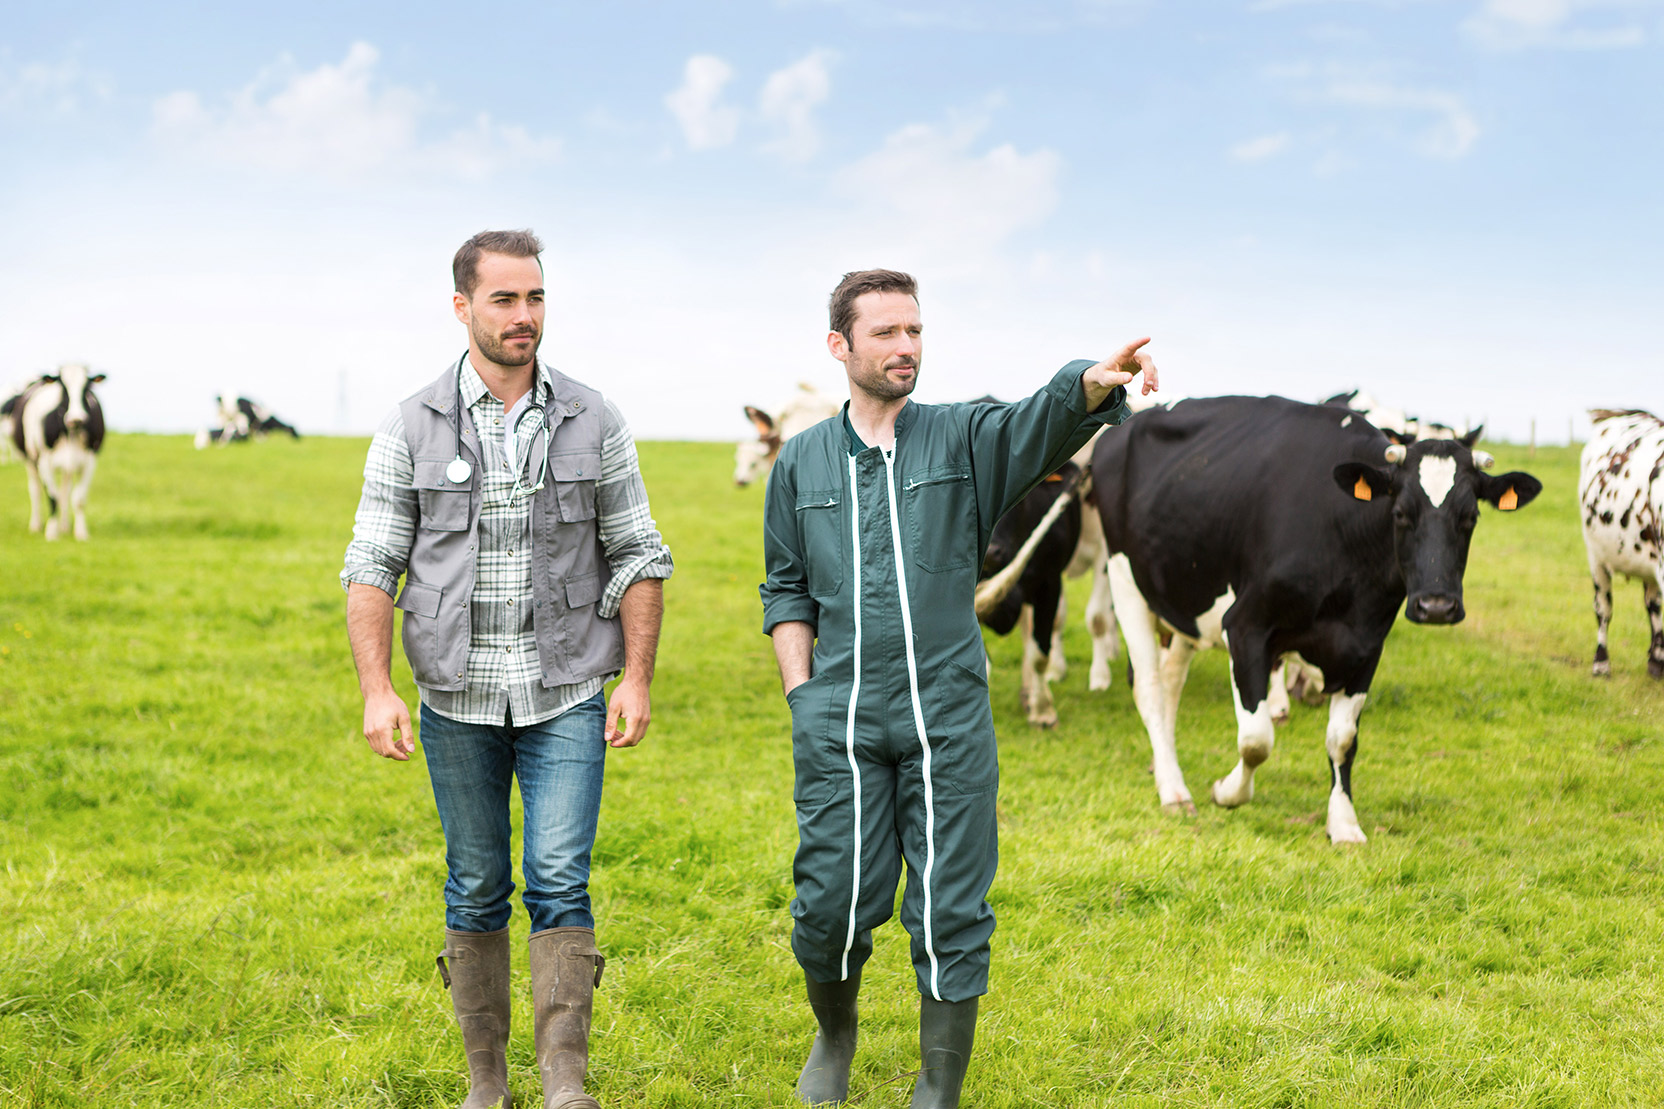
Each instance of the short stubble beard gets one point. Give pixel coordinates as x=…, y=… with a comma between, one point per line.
x=496, y=349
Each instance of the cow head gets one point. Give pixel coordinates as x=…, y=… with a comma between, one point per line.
x=77, y=382
x=753, y=458
x=1434, y=488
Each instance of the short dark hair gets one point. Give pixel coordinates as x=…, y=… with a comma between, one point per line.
x=859, y=283
x=465, y=267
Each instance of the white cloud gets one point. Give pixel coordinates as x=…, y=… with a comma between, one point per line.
x=56, y=88
x=929, y=185
x=1454, y=129
x=1258, y=150
x=1561, y=24
x=706, y=122
x=789, y=98
x=339, y=122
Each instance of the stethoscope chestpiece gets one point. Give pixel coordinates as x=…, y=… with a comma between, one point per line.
x=458, y=471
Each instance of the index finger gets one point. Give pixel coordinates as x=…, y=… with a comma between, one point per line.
x=1126, y=353
x=1152, y=380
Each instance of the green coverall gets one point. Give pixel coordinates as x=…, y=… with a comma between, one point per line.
x=892, y=735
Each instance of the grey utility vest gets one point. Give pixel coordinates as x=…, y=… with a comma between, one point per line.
x=569, y=565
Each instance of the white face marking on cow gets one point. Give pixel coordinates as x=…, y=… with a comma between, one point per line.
x=1346, y=422
x=1438, y=477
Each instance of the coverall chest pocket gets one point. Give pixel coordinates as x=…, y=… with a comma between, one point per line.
x=820, y=529
x=443, y=502
x=573, y=477
x=941, y=518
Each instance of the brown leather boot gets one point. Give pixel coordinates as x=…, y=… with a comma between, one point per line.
x=566, y=968
x=477, y=976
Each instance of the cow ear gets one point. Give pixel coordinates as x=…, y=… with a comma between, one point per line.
x=1509, y=491
x=1471, y=439
x=761, y=420
x=95, y=379
x=1403, y=439
x=1362, y=482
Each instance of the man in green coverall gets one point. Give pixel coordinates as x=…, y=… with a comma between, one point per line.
x=874, y=529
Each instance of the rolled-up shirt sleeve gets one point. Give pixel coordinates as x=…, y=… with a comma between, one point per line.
x=634, y=548
x=385, y=525
x=785, y=592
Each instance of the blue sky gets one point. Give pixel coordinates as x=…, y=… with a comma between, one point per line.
x=1453, y=204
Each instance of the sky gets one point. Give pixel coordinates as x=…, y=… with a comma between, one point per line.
x=1454, y=205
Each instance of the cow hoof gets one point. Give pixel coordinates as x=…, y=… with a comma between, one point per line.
x=1280, y=718
x=1186, y=807
x=1047, y=721
x=1602, y=669
x=1347, y=834
x=1230, y=799
x=1655, y=668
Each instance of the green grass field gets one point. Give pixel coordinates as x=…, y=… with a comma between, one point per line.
x=214, y=894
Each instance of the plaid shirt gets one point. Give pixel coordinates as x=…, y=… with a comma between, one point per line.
x=504, y=675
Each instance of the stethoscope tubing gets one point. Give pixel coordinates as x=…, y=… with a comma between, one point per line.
x=460, y=470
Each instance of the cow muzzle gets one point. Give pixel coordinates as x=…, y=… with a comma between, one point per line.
x=1435, y=608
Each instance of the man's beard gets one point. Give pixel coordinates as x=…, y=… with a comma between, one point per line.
x=497, y=349
x=874, y=380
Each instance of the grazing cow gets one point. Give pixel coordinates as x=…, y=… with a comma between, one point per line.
x=58, y=428
x=1621, y=488
x=1036, y=541
x=754, y=458
x=1271, y=526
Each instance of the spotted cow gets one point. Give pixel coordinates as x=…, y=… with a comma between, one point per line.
x=1621, y=489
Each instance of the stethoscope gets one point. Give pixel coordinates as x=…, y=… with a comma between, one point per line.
x=460, y=470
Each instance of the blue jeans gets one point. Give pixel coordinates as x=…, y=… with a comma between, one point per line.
x=559, y=763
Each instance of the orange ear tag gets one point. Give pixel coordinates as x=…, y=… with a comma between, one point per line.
x=1362, y=490
x=1509, y=500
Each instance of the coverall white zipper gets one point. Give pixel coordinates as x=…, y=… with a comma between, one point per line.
x=918, y=717
x=849, y=733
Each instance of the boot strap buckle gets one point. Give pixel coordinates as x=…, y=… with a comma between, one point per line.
x=444, y=971
x=600, y=965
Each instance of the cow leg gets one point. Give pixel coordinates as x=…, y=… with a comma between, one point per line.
x=1655, y=617
x=1276, y=696
x=1057, y=667
x=1038, y=643
x=1255, y=733
x=1342, y=741
x=57, y=496
x=1100, y=621
x=1138, y=625
x=79, y=498
x=32, y=470
x=1603, y=616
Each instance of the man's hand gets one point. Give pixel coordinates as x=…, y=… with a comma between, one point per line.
x=1119, y=369
x=631, y=701
x=387, y=726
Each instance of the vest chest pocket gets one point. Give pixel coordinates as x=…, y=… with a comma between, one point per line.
x=573, y=477
x=941, y=518
x=820, y=529
x=444, y=504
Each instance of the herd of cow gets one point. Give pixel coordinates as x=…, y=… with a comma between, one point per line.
x=55, y=423
x=1290, y=534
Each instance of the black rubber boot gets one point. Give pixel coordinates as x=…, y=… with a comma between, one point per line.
x=825, y=1077
x=947, y=1029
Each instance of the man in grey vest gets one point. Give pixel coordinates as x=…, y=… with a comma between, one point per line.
x=509, y=498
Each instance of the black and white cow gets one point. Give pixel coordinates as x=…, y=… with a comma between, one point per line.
x=58, y=428
x=1035, y=598
x=236, y=420
x=1271, y=526
x=1621, y=489
x=754, y=458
